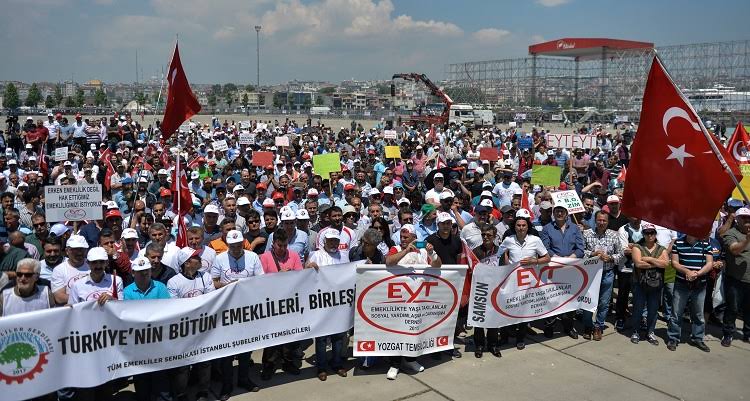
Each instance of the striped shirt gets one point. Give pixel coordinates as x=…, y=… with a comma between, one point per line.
x=693, y=257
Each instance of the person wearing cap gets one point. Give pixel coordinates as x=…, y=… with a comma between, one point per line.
x=336, y=220
x=132, y=247
x=297, y=240
x=29, y=293
x=428, y=222
x=736, y=244
x=161, y=183
x=53, y=129
x=505, y=189
x=564, y=239
x=229, y=267
x=433, y=194
x=230, y=212
x=616, y=218
x=544, y=217
x=72, y=269
x=605, y=244
x=328, y=254
x=79, y=130
x=528, y=250
x=98, y=285
x=630, y=234
x=648, y=262
x=472, y=233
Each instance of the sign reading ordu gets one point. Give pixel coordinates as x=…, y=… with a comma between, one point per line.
x=571, y=141
x=73, y=202
x=512, y=294
x=406, y=311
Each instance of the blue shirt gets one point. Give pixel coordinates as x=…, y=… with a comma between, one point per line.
x=562, y=243
x=157, y=290
x=424, y=231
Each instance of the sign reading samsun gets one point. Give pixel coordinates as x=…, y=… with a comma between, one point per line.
x=511, y=294
x=406, y=311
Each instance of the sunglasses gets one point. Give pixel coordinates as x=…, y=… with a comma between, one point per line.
x=27, y=275
x=253, y=221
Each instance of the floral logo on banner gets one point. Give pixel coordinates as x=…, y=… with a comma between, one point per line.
x=23, y=353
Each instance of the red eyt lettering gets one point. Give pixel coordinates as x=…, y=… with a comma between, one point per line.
x=394, y=290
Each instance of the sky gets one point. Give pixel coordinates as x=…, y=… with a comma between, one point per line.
x=328, y=40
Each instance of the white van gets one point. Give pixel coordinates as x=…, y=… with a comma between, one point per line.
x=484, y=118
x=461, y=114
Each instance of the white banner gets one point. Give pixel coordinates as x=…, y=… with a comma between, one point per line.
x=389, y=134
x=73, y=202
x=282, y=140
x=61, y=154
x=571, y=141
x=247, y=138
x=506, y=295
x=88, y=344
x=221, y=146
x=406, y=311
x=569, y=200
x=557, y=117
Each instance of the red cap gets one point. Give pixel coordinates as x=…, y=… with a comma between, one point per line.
x=371, y=152
x=262, y=185
x=269, y=167
x=78, y=115
x=165, y=192
x=112, y=213
x=277, y=195
x=348, y=187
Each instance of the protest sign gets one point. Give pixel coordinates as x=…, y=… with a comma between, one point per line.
x=545, y=175
x=73, y=202
x=61, y=154
x=557, y=117
x=389, y=134
x=262, y=159
x=406, y=311
x=326, y=163
x=511, y=294
x=247, y=138
x=282, y=140
x=745, y=183
x=245, y=124
x=221, y=146
x=569, y=200
x=392, y=152
x=126, y=338
x=520, y=116
x=490, y=154
x=571, y=141
x=512, y=124
x=525, y=142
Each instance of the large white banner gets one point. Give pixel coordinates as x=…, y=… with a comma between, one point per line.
x=511, y=294
x=406, y=311
x=88, y=344
x=73, y=202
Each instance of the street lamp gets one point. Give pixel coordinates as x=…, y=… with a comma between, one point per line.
x=257, y=53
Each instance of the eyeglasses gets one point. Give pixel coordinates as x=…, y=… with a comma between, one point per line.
x=408, y=220
x=27, y=275
x=649, y=233
x=253, y=221
x=40, y=224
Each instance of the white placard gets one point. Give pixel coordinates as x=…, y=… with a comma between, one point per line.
x=282, y=140
x=390, y=134
x=512, y=124
x=221, y=146
x=569, y=200
x=61, y=154
x=557, y=117
x=571, y=141
x=73, y=202
x=406, y=311
x=247, y=138
x=245, y=124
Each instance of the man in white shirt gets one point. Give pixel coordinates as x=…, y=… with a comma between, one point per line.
x=191, y=281
x=74, y=268
x=54, y=132
x=505, y=189
x=99, y=285
x=346, y=235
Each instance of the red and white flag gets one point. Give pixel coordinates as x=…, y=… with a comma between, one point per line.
x=623, y=174
x=738, y=144
x=181, y=102
x=671, y=160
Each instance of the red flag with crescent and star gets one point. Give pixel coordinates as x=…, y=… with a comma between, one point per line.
x=181, y=102
x=674, y=177
x=739, y=144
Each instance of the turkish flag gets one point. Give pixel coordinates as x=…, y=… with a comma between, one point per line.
x=181, y=102
x=672, y=160
x=738, y=144
x=106, y=157
x=623, y=174
x=182, y=200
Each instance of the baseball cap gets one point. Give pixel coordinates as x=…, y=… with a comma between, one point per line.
x=648, y=227
x=613, y=199
x=438, y=175
x=403, y=201
x=112, y=213
x=487, y=203
x=140, y=263
x=126, y=180
x=211, y=209
x=165, y=192
x=481, y=209
x=545, y=205
x=287, y=214
x=302, y=214
x=97, y=253
x=332, y=234
x=268, y=202
x=32, y=158
x=261, y=185
x=277, y=196
x=234, y=237
x=59, y=229
x=374, y=191
x=743, y=211
x=443, y=217
x=194, y=175
x=523, y=213
x=242, y=201
x=486, y=193
x=12, y=161
x=506, y=209
x=238, y=187
x=129, y=233
x=409, y=228
x=162, y=172
x=349, y=187
x=77, y=241
x=479, y=170
x=185, y=254
x=312, y=192
x=446, y=195
x=735, y=203
x=110, y=205
x=388, y=190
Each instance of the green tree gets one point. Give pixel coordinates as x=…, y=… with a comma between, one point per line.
x=278, y=100
x=17, y=352
x=319, y=101
x=245, y=100
x=329, y=90
x=80, y=98
x=10, y=97
x=228, y=99
x=100, y=98
x=212, y=100
x=250, y=88
x=69, y=102
x=230, y=88
x=49, y=102
x=58, y=96
x=216, y=89
x=139, y=98
x=34, y=97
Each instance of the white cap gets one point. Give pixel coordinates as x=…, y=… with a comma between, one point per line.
x=268, y=202
x=12, y=161
x=242, y=201
x=234, y=237
x=28, y=146
x=388, y=190
x=479, y=170
x=77, y=241
x=195, y=175
x=140, y=263
x=312, y=192
x=403, y=200
x=743, y=211
x=211, y=209
x=238, y=188
x=409, y=227
x=287, y=214
x=486, y=193
x=111, y=205
x=59, y=229
x=374, y=191
x=302, y=214
x=446, y=195
x=438, y=175
x=186, y=253
x=443, y=217
x=129, y=233
x=523, y=213
x=97, y=253
x=613, y=199
x=162, y=172
x=32, y=158
x=332, y=234
x=487, y=203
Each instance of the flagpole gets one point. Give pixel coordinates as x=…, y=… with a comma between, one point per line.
x=708, y=137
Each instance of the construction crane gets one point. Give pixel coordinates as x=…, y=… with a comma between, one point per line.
x=421, y=120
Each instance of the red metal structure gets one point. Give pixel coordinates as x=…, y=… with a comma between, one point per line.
x=427, y=120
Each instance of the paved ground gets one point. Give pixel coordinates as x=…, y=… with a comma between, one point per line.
x=548, y=369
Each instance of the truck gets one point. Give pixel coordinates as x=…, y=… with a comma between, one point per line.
x=484, y=118
x=461, y=114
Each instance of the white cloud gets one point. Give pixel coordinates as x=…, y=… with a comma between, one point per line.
x=225, y=33
x=552, y=3
x=491, y=35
